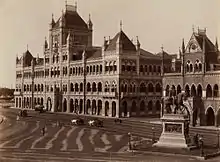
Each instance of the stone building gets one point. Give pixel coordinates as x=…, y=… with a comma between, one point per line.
x=197, y=73
x=117, y=79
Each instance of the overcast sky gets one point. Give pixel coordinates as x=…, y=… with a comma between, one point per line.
x=156, y=22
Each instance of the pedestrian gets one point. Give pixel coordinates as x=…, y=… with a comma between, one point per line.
x=17, y=117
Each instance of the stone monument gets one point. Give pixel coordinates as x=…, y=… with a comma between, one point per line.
x=175, y=119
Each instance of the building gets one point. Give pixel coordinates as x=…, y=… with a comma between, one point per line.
x=197, y=73
x=117, y=79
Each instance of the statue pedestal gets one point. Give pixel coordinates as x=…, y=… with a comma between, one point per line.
x=175, y=132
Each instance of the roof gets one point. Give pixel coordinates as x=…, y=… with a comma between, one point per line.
x=71, y=19
x=91, y=53
x=27, y=58
x=146, y=53
x=209, y=46
x=165, y=55
x=122, y=38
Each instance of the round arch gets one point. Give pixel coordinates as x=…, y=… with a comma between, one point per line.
x=64, y=105
x=210, y=117
x=113, y=109
x=106, y=108
x=125, y=108
x=99, y=107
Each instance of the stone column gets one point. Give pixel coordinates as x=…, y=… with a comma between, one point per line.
x=68, y=105
x=103, y=109
x=216, y=120
x=117, y=109
x=110, y=109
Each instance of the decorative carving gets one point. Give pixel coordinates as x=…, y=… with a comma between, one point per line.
x=173, y=128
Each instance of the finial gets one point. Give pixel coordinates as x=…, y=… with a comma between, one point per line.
x=162, y=47
x=121, y=25
x=45, y=38
x=109, y=38
x=52, y=15
x=193, y=29
x=27, y=47
x=66, y=2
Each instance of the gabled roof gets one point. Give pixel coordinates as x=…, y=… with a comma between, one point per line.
x=146, y=53
x=71, y=19
x=91, y=53
x=209, y=46
x=165, y=55
x=122, y=38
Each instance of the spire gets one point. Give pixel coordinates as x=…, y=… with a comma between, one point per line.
x=120, y=25
x=89, y=22
x=162, y=65
x=183, y=46
x=27, y=47
x=216, y=44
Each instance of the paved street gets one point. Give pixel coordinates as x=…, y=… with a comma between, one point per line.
x=23, y=141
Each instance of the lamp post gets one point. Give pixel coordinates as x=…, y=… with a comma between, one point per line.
x=129, y=141
x=201, y=146
x=153, y=137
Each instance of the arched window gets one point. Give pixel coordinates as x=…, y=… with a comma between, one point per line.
x=81, y=87
x=193, y=91
x=42, y=87
x=76, y=87
x=146, y=69
x=187, y=90
x=191, y=68
x=141, y=68
x=150, y=106
x=99, y=87
x=179, y=89
x=215, y=89
x=71, y=87
x=173, y=90
x=158, y=88
x=142, y=88
x=150, y=87
x=106, y=87
x=208, y=91
x=199, y=90
x=88, y=87
x=93, y=87
x=150, y=68
x=167, y=90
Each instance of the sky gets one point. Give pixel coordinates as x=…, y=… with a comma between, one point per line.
x=155, y=22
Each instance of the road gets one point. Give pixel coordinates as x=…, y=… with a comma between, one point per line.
x=23, y=141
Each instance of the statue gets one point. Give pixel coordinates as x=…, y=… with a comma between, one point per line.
x=173, y=104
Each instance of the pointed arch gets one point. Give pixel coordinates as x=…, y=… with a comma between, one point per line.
x=158, y=88
x=179, y=89
x=93, y=87
x=142, y=88
x=167, y=90
x=187, y=90
x=150, y=87
x=199, y=90
x=210, y=117
x=142, y=106
x=208, y=91
x=88, y=87
x=193, y=91
x=216, y=91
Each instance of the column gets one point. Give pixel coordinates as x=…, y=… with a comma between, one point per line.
x=216, y=120
x=68, y=105
x=103, y=108
x=117, y=109
x=110, y=109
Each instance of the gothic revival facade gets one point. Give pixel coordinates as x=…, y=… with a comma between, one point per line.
x=118, y=79
x=197, y=73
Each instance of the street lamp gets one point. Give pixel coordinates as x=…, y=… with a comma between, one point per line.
x=153, y=133
x=129, y=140
x=201, y=146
